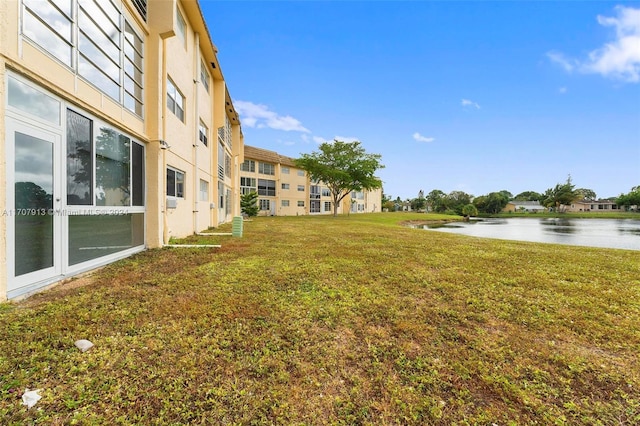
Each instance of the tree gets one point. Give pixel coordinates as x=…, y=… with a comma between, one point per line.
x=436, y=201
x=249, y=204
x=492, y=203
x=630, y=199
x=32, y=196
x=419, y=203
x=456, y=200
x=469, y=210
x=387, y=202
x=561, y=194
x=529, y=196
x=586, y=193
x=344, y=167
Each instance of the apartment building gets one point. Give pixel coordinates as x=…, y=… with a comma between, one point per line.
x=286, y=190
x=117, y=133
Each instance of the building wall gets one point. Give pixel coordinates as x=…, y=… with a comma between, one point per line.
x=290, y=201
x=31, y=59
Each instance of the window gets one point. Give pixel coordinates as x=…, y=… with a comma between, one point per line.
x=113, y=163
x=224, y=133
x=204, y=190
x=94, y=39
x=314, y=193
x=32, y=101
x=301, y=188
x=203, y=133
x=265, y=204
x=133, y=75
x=285, y=170
x=227, y=165
x=314, y=206
x=266, y=169
x=248, y=166
x=79, y=159
x=175, y=183
x=300, y=172
x=267, y=187
x=248, y=185
x=300, y=203
x=141, y=7
x=326, y=192
x=327, y=206
x=49, y=27
x=221, y=155
x=204, y=75
x=102, y=167
x=175, y=100
x=221, y=194
x=137, y=174
x=285, y=186
x=181, y=26
x=227, y=199
x=285, y=203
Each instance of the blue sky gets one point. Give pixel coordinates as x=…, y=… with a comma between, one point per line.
x=472, y=96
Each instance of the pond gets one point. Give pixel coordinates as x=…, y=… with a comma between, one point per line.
x=609, y=233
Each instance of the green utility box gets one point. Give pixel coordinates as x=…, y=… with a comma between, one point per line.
x=236, y=228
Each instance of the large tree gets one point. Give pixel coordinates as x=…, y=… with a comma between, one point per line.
x=344, y=167
x=492, y=203
x=561, y=195
x=436, y=200
x=456, y=200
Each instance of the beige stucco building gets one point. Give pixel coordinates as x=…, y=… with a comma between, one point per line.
x=117, y=133
x=286, y=190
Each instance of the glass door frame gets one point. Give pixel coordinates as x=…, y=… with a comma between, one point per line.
x=24, y=283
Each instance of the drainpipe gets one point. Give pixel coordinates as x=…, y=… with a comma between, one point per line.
x=196, y=120
x=165, y=218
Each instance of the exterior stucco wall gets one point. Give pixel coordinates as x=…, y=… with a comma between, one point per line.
x=164, y=55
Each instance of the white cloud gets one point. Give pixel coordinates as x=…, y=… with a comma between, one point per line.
x=346, y=138
x=319, y=139
x=567, y=64
x=418, y=137
x=618, y=59
x=562, y=90
x=260, y=116
x=467, y=102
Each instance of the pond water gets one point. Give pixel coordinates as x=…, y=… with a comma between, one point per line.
x=610, y=233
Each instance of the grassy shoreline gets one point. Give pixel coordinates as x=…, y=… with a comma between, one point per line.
x=347, y=320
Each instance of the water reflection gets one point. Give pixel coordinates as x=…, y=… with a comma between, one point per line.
x=610, y=233
x=559, y=225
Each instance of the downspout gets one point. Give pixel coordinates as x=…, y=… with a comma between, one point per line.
x=196, y=121
x=165, y=218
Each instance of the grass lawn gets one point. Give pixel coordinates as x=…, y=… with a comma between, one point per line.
x=321, y=320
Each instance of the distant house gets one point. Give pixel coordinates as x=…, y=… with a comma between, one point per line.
x=523, y=206
x=592, y=206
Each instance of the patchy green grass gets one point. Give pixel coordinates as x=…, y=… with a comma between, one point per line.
x=322, y=320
